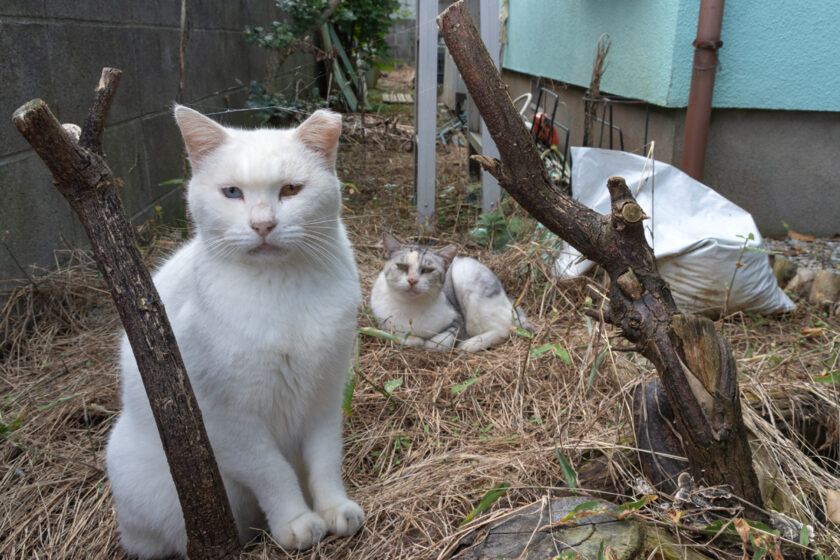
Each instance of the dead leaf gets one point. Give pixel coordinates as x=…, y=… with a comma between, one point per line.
x=811, y=332
x=800, y=236
x=832, y=506
x=743, y=529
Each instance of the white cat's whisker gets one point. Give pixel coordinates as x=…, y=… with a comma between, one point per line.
x=321, y=247
x=321, y=221
x=328, y=255
x=221, y=247
x=324, y=234
x=320, y=228
x=308, y=256
x=314, y=255
x=328, y=230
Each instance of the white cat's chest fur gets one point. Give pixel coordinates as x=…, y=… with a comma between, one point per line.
x=422, y=317
x=251, y=337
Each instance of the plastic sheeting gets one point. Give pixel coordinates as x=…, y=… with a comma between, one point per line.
x=697, y=235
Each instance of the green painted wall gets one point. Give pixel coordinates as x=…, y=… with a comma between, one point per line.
x=776, y=55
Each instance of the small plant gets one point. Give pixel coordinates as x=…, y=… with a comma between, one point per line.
x=568, y=471
x=365, y=23
x=9, y=424
x=496, y=231
x=461, y=386
x=304, y=17
x=738, y=265
x=360, y=26
x=486, y=501
x=555, y=349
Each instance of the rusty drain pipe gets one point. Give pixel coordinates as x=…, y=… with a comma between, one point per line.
x=699, y=111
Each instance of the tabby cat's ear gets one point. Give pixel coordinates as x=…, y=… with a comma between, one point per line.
x=391, y=244
x=320, y=134
x=201, y=134
x=447, y=253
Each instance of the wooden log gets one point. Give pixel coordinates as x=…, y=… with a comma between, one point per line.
x=84, y=179
x=641, y=304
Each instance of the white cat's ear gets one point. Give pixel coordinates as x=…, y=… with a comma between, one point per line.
x=391, y=244
x=447, y=253
x=320, y=133
x=201, y=134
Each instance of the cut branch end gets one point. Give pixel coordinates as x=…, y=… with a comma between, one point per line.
x=94, y=125
x=491, y=165
x=23, y=115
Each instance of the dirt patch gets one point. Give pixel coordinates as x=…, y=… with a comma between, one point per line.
x=399, y=79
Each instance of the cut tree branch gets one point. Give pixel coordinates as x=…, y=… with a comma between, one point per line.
x=94, y=126
x=705, y=399
x=82, y=176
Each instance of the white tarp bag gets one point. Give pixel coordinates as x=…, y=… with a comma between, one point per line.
x=697, y=236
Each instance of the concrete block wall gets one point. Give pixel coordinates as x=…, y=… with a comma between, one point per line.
x=402, y=38
x=55, y=50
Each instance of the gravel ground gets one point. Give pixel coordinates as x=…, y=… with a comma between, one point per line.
x=816, y=254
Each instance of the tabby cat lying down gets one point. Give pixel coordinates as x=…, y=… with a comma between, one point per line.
x=436, y=300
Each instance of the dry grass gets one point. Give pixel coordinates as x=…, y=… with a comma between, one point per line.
x=420, y=461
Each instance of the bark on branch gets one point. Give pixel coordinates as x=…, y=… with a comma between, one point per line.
x=103, y=96
x=82, y=176
x=692, y=360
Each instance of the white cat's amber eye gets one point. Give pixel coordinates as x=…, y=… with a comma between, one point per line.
x=290, y=190
x=426, y=270
x=232, y=192
x=403, y=267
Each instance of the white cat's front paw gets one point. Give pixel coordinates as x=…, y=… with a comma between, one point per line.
x=474, y=344
x=344, y=518
x=301, y=532
x=483, y=341
x=441, y=342
x=414, y=341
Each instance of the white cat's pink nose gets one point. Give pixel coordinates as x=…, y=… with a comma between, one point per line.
x=413, y=280
x=263, y=228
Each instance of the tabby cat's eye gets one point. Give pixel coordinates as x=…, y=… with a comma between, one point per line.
x=290, y=190
x=403, y=267
x=232, y=192
x=426, y=270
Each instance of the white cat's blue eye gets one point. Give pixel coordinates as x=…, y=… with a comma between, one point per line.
x=232, y=192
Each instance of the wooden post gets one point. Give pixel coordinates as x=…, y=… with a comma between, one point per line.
x=82, y=176
x=693, y=361
x=425, y=113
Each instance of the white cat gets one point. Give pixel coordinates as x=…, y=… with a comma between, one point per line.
x=436, y=300
x=263, y=302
